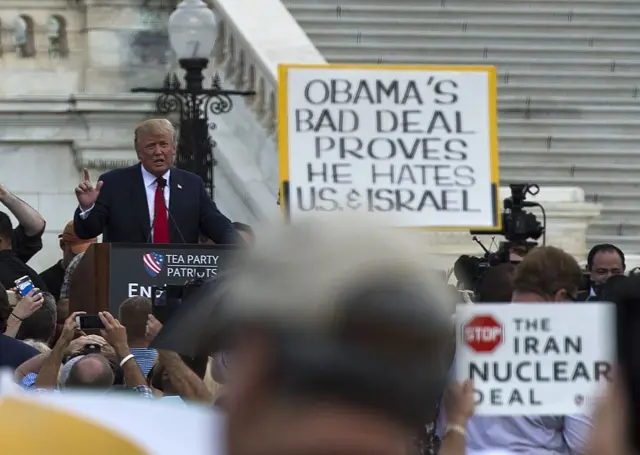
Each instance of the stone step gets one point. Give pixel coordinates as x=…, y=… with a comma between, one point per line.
x=622, y=15
x=532, y=51
x=482, y=24
x=400, y=38
x=564, y=5
x=590, y=185
x=554, y=63
x=570, y=157
x=629, y=244
x=580, y=141
x=555, y=127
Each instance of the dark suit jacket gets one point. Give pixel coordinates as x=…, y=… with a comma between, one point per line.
x=121, y=212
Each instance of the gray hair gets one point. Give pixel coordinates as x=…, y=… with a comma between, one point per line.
x=39, y=346
x=300, y=273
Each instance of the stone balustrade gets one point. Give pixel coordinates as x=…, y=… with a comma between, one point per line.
x=250, y=47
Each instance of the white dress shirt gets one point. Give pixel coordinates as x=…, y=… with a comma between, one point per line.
x=150, y=186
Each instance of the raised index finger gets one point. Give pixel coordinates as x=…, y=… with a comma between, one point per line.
x=85, y=175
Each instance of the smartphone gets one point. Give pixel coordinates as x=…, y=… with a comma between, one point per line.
x=89, y=322
x=24, y=285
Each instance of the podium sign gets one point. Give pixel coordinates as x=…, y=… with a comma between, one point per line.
x=110, y=273
x=136, y=270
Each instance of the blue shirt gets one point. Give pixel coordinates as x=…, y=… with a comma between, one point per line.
x=14, y=353
x=145, y=358
x=523, y=435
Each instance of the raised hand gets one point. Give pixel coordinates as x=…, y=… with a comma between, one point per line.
x=86, y=193
x=28, y=304
x=153, y=327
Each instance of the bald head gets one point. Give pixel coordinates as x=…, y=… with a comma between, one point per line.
x=91, y=372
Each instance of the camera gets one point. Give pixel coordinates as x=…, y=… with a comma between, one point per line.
x=520, y=229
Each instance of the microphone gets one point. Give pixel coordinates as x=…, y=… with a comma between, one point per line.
x=153, y=220
x=173, y=220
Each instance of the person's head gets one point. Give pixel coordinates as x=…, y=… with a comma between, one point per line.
x=133, y=315
x=41, y=325
x=5, y=309
x=604, y=261
x=71, y=245
x=547, y=274
x=155, y=143
x=332, y=326
x=90, y=372
x=496, y=285
x=246, y=232
x=6, y=232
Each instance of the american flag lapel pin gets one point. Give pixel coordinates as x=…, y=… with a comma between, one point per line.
x=179, y=186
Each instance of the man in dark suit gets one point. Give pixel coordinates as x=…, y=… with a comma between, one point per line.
x=151, y=201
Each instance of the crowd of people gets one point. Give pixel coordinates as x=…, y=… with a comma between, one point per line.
x=334, y=337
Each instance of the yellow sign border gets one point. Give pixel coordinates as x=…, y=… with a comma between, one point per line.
x=283, y=133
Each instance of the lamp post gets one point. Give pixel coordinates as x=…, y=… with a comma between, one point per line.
x=192, y=34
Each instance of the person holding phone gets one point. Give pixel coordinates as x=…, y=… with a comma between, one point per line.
x=12, y=267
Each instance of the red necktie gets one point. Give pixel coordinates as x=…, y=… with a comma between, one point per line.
x=160, y=221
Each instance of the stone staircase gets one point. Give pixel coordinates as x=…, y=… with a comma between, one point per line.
x=569, y=107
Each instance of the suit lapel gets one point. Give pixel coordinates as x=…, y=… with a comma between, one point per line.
x=139, y=201
x=177, y=202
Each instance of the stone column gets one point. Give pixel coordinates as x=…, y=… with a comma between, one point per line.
x=126, y=44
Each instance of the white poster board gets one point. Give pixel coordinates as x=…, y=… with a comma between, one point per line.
x=105, y=424
x=415, y=145
x=535, y=359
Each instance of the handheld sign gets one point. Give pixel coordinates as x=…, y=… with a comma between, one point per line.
x=414, y=144
x=535, y=359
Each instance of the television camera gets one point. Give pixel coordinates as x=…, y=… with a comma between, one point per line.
x=520, y=229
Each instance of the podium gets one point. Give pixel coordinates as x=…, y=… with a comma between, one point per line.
x=109, y=273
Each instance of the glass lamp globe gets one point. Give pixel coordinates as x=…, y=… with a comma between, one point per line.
x=192, y=30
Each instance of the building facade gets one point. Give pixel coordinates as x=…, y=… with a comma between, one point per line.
x=67, y=68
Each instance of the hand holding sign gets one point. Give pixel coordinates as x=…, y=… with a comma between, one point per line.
x=86, y=193
x=459, y=402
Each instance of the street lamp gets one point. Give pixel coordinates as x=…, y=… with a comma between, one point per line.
x=192, y=34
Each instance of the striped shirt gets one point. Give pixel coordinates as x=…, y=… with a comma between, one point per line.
x=145, y=358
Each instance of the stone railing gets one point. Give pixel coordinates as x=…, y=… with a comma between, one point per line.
x=254, y=37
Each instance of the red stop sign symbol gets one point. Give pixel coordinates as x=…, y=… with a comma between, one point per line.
x=483, y=333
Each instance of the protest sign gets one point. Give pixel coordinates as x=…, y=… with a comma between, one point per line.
x=535, y=359
x=414, y=144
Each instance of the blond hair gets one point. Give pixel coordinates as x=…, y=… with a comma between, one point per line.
x=154, y=126
x=546, y=270
x=39, y=346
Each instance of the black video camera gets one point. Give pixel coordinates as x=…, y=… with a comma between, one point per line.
x=519, y=228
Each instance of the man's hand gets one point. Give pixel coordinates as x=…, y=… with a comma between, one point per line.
x=114, y=332
x=70, y=328
x=86, y=193
x=78, y=344
x=153, y=327
x=3, y=192
x=28, y=304
x=459, y=402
